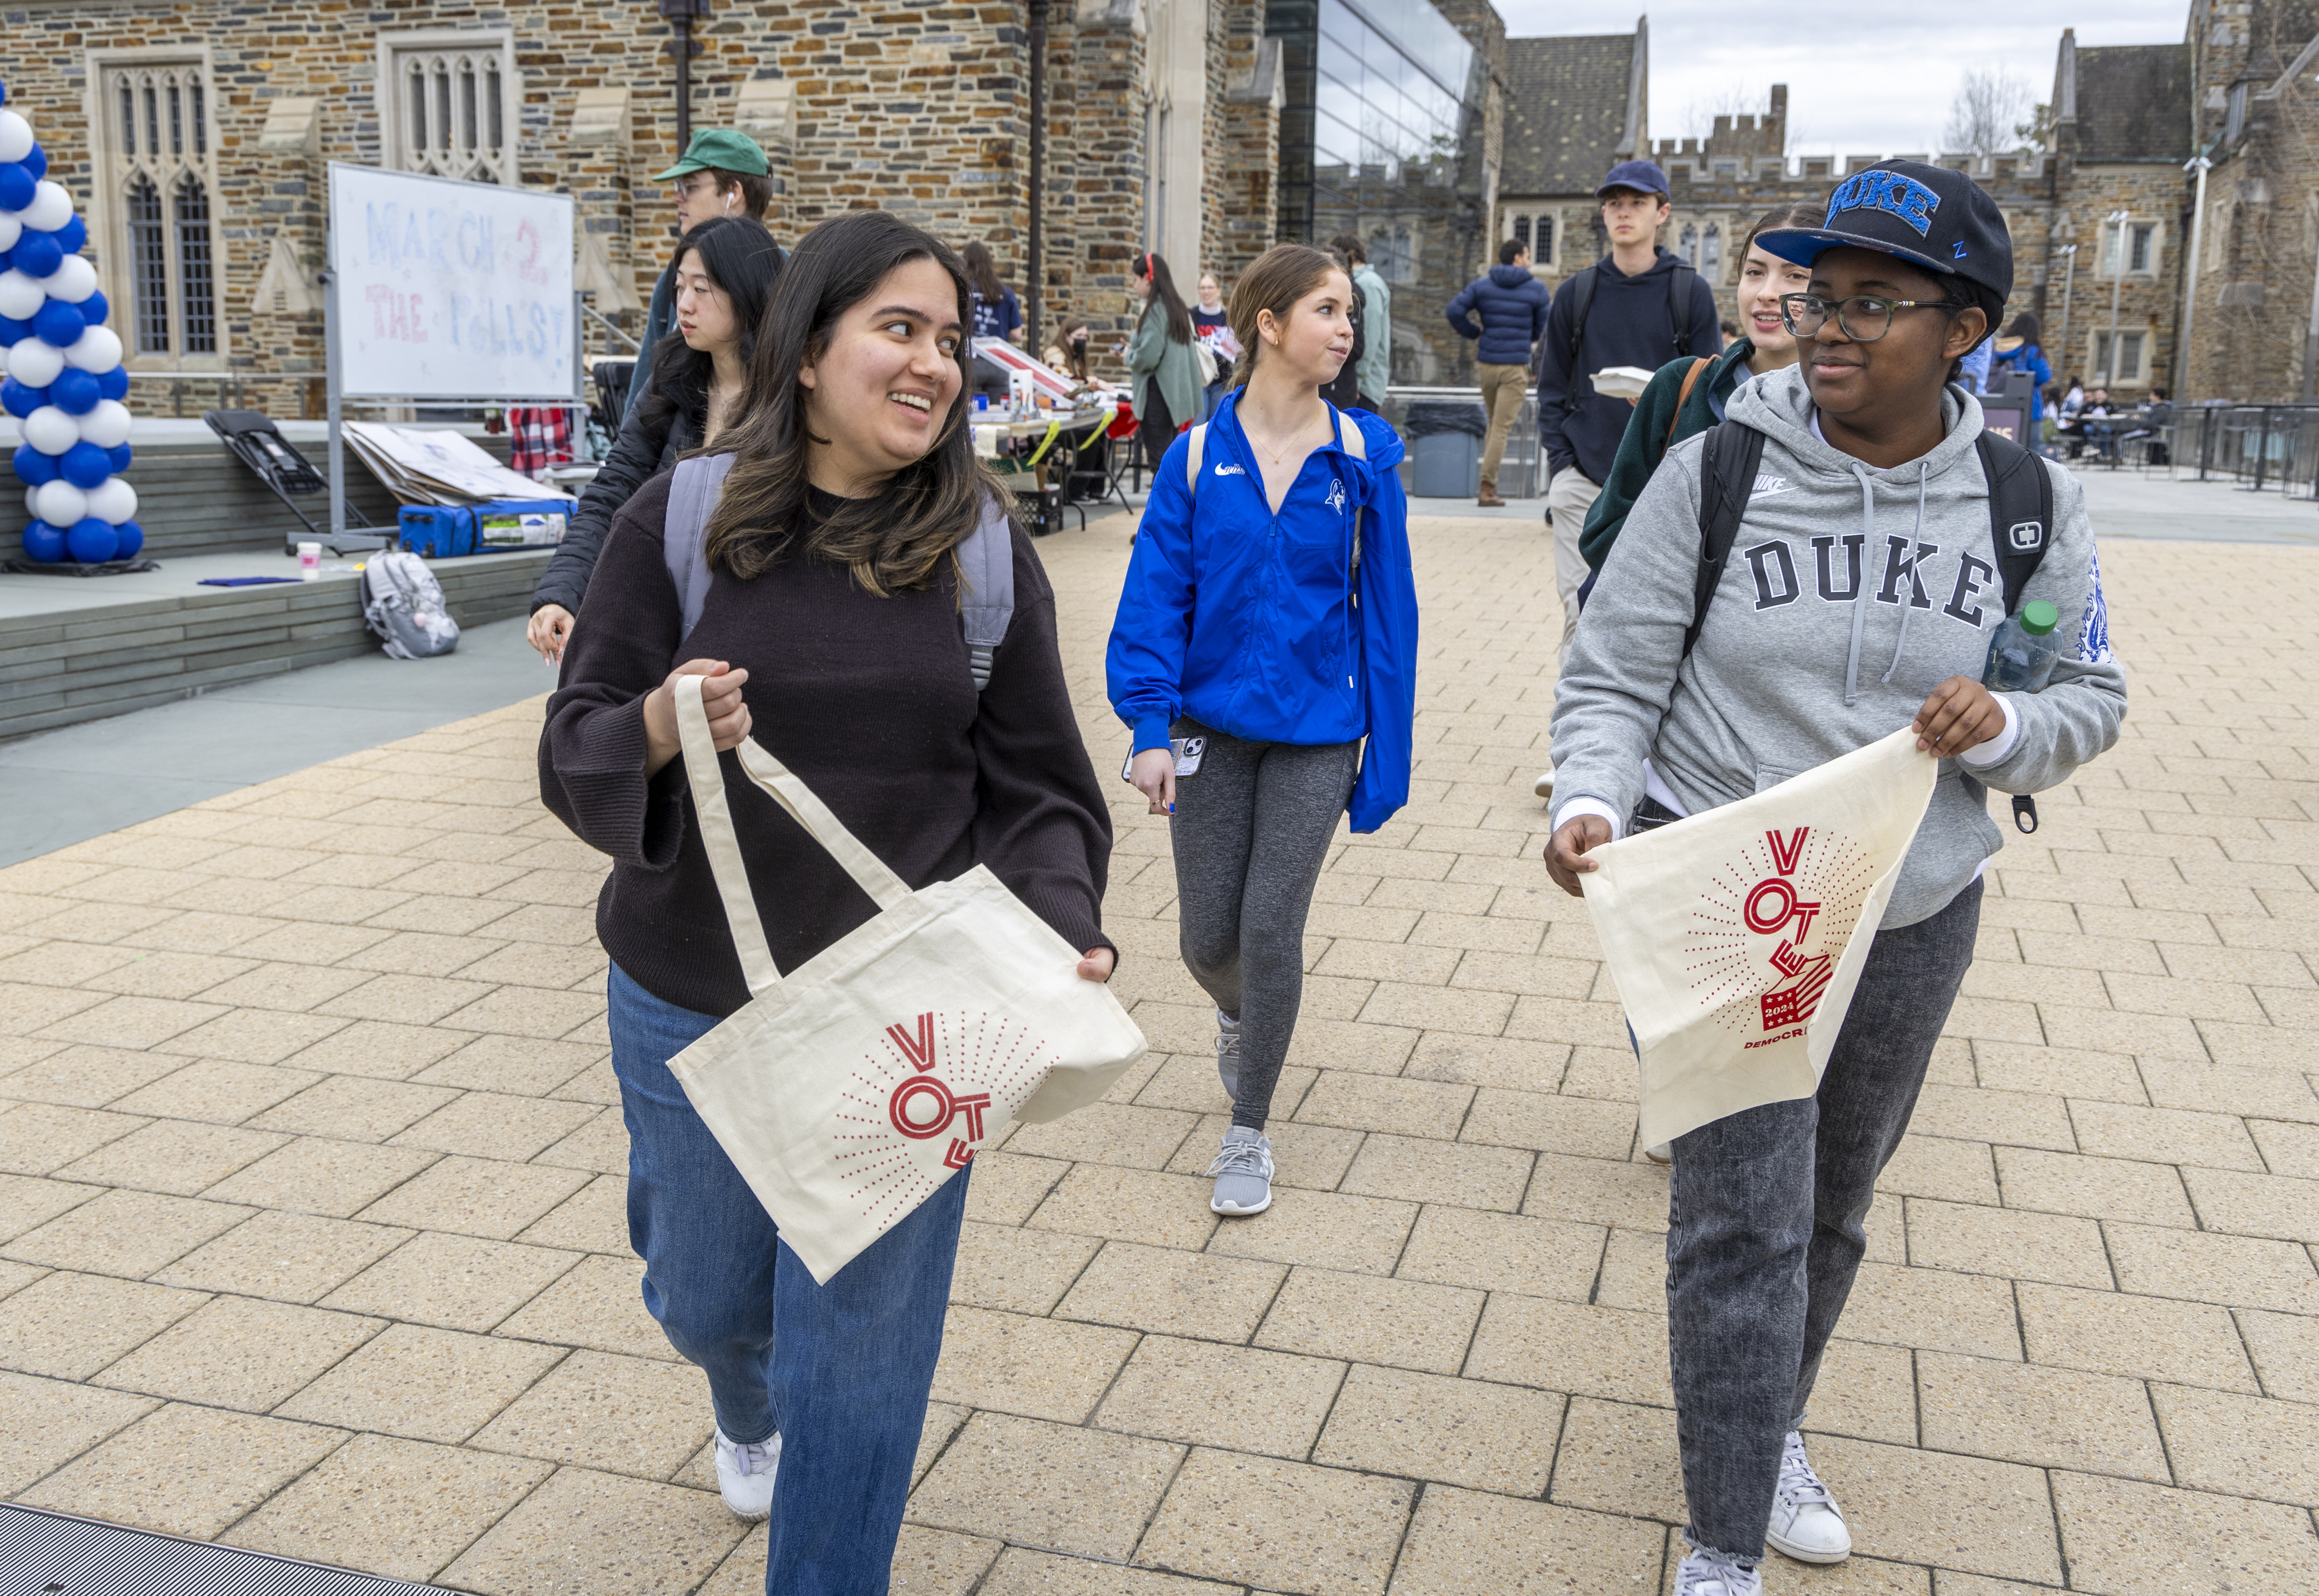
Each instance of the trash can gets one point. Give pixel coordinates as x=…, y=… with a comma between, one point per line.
x=1445, y=444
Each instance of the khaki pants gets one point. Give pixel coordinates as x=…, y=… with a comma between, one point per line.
x=1568, y=498
x=1503, y=389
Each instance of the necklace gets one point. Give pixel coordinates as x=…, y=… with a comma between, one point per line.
x=1282, y=452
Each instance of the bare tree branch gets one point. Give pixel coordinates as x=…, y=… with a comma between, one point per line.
x=1985, y=117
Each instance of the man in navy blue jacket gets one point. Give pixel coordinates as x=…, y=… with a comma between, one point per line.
x=1513, y=306
x=1640, y=305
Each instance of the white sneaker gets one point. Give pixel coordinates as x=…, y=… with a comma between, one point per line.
x=745, y=1476
x=1700, y=1576
x=1663, y=1153
x=1544, y=786
x=1806, y=1523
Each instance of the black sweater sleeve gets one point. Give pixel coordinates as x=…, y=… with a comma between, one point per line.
x=633, y=461
x=592, y=747
x=1040, y=822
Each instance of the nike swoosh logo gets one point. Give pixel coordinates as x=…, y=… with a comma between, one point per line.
x=1231, y=470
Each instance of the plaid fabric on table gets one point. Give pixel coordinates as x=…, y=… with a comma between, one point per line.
x=541, y=436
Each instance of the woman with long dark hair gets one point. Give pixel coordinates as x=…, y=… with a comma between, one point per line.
x=725, y=270
x=833, y=608
x=2016, y=350
x=996, y=319
x=1165, y=373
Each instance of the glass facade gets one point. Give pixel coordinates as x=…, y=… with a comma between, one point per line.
x=1381, y=138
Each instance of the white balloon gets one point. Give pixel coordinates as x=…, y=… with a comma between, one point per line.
x=33, y=362
x=15, y=137
x=112, y=499
x=50, y=209
x=73, y=280
x=33, y=502
x=51, y=430
x=19, y=296
x=59, y=503
x=11, y=230
x=106, y=425
x=97, y=349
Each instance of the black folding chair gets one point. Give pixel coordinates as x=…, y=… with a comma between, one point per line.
x=259, y=444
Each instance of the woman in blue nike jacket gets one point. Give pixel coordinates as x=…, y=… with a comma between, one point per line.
x=1269, y=624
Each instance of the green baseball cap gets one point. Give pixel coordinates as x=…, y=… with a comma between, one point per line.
x=722, y=149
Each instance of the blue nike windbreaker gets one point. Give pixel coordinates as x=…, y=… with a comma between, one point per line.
x=1261, y=625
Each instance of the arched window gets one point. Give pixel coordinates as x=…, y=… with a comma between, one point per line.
x=1710, y=257
x=453, y=114
x=1688, y=244
x=157, y=240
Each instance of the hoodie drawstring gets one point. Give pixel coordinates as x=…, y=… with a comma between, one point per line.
x=1860, y=581
x=1909, y=571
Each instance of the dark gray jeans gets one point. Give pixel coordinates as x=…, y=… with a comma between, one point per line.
x=1765, y=1229
x=1250, y=832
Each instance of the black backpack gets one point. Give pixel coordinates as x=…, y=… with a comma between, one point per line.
x=2020, y=525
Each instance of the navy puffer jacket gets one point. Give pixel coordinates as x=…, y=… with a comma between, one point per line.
x=1513, y=306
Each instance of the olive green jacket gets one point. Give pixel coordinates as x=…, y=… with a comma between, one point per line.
x=1648, y=440
x=1153, y=355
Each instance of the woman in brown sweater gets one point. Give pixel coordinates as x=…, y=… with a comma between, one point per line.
x=831, y=622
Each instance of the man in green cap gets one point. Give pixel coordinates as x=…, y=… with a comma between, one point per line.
x=723, y=174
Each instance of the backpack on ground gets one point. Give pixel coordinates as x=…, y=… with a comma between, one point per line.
x=986, y=560
x=2020, y=525
x=403, y=605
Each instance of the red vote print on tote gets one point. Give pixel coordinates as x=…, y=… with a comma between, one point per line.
x=923, y=1100
x=1764, y=937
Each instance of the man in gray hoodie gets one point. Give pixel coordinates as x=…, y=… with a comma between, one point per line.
x=1858, y=598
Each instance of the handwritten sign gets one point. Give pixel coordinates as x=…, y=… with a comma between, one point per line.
x=450, y=290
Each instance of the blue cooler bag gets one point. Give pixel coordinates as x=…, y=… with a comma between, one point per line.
x=438, y=531
x=504, y=525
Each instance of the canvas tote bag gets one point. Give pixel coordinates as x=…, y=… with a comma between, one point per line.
x=1735, y=937
x=847, y=1091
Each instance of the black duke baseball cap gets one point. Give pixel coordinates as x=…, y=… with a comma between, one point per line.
x=1935, y=218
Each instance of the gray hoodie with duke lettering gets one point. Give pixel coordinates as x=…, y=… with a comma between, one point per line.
x=1810, y=651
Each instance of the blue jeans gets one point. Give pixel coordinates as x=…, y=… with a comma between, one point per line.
x=1767, y=1229
x=841, y=1371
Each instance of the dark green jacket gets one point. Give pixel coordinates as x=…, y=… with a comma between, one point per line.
x=1647, y=442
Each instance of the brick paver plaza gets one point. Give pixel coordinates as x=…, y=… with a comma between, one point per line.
x=315, y=1242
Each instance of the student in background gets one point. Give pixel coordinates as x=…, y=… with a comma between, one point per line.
x=1211, y=325
x=725, y=271
x=723, y=174
x=1160, y=359
x=997, y=317
x=1513, y=306
x=1373, y=365
x=2016, y=350
x=1069, y=353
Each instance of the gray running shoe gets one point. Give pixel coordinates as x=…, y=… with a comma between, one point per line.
x=1243, y=1172
x=1228, y=1054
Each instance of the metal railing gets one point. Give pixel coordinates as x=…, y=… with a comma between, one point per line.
x=2258, y=447
x=1522, y=474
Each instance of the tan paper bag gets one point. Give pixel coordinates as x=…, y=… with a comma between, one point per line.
x=849, y=1090
x=1736, y=936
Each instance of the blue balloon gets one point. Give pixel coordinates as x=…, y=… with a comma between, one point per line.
x=73, y=235
x=13, y=331
x=75, y=391
x=60, y=323
x=37, y=162
x=43, y=542
x=16, y=186
x=95, y=310
x=36, y=254
x=32, y=467
x=92, y=541
x=4, y=94
x=128, y=538
x=84, y=465
x=119, y=454
x=113, y=384
x=18, y=400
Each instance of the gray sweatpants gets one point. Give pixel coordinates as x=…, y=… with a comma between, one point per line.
x=1252, y=830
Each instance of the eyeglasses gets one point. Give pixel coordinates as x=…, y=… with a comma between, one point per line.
x=1865, y=317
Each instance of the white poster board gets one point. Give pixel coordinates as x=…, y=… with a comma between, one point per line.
x=450, y=290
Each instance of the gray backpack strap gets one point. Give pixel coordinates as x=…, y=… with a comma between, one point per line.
x=684, y=538
x=985, y=561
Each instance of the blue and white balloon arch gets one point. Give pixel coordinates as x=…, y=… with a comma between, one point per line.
x=64, y=383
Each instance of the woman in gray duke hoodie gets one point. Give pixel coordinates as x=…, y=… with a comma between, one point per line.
x=1858, y=598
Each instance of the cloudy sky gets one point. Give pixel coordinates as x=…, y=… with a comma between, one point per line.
x=1860, y=78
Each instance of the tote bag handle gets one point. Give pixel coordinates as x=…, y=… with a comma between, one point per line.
x=885, y=888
